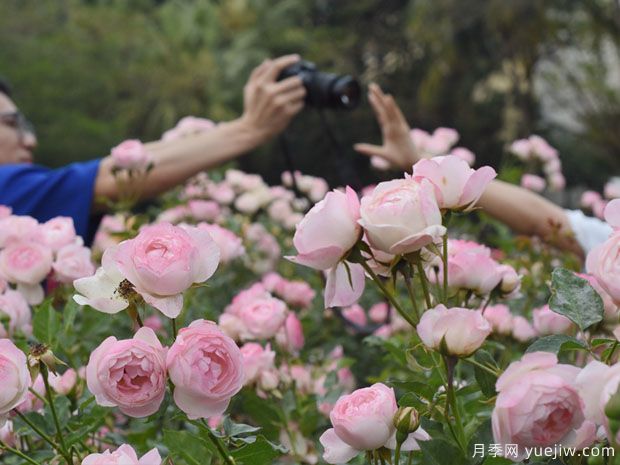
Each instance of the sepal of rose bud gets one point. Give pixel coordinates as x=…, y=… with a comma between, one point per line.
x=406, y=420
x=41, y=353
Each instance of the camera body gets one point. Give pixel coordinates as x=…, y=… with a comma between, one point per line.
x=325, y=90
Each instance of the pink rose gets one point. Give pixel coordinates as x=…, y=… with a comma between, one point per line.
x=538, y=405
x=296, y=293
x=204, y=210
x=363, y=420
x=63, y=384
x=130, y=373
x=546, y=321
x=457, y=186
x=344, y=284
x=533, y=182
x=26, y=263
x=262, y=318
x=522, y=330
x=230, y=245
x=462, y=330
x=174, y=215
x=73, y=262
x=355, y=314
x=221, y=192
x=291, y=335
x=522, y=149
x=401, y=216
x=15, y=307
x=206, y=368
x=187, y=126
x=17, y=228
x=328, y=230
x=14, y=378
x=32, y=402
x=557, y=182
x=163, y=261
x=472, y=269
x=378, y=313
x=611, y=309
x=57, y=232
x=612, y=188
x=124, y=455
x=602, y=262
x=258, y=366
x=130, y=155
x=500, y=318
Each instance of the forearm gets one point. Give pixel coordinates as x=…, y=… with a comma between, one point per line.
x=528, y=213
x=178, y=160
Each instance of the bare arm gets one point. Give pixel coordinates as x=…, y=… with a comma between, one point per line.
x=268, y=108
x=520, y=209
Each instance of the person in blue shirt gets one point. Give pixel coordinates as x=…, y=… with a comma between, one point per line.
x=74, y=190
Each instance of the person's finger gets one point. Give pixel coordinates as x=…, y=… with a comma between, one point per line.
x=294, y=107
x=378, y=109
x=392, y=110
x=286, y=85
x=371, y=150
x=277, y=65
x=259, y=70
x=293, y=95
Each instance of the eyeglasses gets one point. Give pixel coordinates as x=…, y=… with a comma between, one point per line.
x=17, y=120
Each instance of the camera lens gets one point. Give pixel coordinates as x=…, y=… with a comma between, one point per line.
x=347, y=91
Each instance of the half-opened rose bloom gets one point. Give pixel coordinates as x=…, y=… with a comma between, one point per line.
x=130, y=373
x=462, y=330
x=130, y=155
x=63, y=384
x=262, y=318
x=457, y=186
x=231, y=245
x=328, y=230
x=57, y=232
x=206, y=368
x=500, y=318
x=364, y=420
x=538, y=405
x=124, y=455
x=163, y=261
x=14, y=378
x=401, y=216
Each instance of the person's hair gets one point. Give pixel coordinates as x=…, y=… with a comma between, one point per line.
x=5, y=88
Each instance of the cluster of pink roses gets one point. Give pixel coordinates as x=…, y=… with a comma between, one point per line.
x=204, y=365
x=602, y=261
x=31, y=252
x=593, y=201
x=535, y=150
x=398, y=217
x=255, y=314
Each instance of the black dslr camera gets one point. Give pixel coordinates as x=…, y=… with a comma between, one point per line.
x=325, y=90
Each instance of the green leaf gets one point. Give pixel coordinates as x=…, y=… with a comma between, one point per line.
x=441, y=452
x=237, y=429
x=46, y=324
x=485, y=380
x=556, y=343
x=261, y=452
x=191, y=448
x=69, y=314
x=575, y=298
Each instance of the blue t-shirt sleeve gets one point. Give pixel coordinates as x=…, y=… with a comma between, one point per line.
x=44, y=193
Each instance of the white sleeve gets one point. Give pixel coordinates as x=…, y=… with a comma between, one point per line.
x=589, y=231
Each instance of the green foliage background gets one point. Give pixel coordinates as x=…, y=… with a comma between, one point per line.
x=90, y=73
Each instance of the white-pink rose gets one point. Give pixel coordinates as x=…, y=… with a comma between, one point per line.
x=457, y=186
x=500, y=318
x=401, y=216
x=522, y=330
x=204, y=210
x=15, y=307
x=130, y=155
x=124, y=455
x=206, y=368
x=262, y=318
x=462, y=330
x=258, y=366
x=130, y=373
x=603, y=262
x=328, y=231
x=26, y=263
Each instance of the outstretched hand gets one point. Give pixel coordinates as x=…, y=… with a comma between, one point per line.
x=270, y=105
x=397, y=149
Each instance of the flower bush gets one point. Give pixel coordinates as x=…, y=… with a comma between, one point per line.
x=243, y=323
